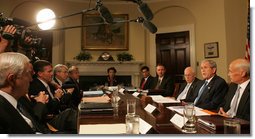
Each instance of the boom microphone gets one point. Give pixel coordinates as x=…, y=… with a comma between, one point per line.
x=104, y=12
x=147, y=24
x=144, y=9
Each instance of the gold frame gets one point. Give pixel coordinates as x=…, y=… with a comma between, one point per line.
x=107, y=36
x=212, y=50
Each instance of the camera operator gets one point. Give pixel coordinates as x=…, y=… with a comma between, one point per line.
x=9, y=29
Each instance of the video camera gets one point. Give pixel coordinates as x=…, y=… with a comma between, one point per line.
x=21, y=32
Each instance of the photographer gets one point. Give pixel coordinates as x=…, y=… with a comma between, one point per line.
x=9, y=29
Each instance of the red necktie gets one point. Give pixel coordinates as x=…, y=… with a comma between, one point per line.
x=144, y=81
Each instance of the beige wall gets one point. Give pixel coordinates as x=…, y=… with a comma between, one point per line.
x=222, y=21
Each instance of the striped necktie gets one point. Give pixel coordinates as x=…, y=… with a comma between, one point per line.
x=233, y=108
x=201, y=90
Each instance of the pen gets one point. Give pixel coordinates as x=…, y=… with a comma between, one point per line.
x=209, y=124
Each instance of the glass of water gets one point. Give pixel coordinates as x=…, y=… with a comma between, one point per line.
x=232, y=126
x=132, y=124
x=189, y=118
x=131, y=106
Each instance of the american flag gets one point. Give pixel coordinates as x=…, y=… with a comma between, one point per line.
x=247, y=46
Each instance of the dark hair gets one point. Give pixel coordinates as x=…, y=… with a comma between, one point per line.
x=159, y=64
x=111, y=68
x=39, y=65
x=145, y=68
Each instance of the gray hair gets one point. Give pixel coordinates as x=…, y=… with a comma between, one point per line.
x=244, y=65
x=211, y=63
x=72, y=68
x=11, y=62
x=58, y=68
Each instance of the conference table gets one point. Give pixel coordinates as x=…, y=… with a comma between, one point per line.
x=158, y=119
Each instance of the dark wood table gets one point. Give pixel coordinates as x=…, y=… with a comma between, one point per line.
x=159, y=119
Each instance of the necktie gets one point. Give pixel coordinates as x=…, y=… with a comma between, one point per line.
x=201, y=90
x=144, y=81
x=158, y=83
x=233, y=108
x=51, y=95
x=183, y=93
x=27, y=115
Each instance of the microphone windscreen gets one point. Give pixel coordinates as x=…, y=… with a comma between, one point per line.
x=105, y=14
x=146, y=11
x=150, y=26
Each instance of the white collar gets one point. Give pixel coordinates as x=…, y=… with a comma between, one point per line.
x=9, y=98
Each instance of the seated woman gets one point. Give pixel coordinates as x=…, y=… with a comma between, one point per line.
x=111, y=78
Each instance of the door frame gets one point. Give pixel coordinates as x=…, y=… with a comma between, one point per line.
x=151, y=52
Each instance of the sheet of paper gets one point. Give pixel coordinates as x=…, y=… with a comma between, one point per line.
x=161, y=99
x=101, y=99
x=135, y=94
x=178, y=120
x=179, y=109
x=144, y=127
x=149, y=108
x=103, y=129
x=122, y=90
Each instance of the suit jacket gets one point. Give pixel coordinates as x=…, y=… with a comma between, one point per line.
x=11, y=122
x=213, y=94
x=243, y=109
x=190, y=97
x=77, y=94
x=148, y=84
x=166, y=87
x=36, y=86
x=27, y=105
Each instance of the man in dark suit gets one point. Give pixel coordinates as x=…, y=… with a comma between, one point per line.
x=60, y=74
x=147, y=80
x=65, y=120
x=73, y=73
x=163, y=84
x=211, y=91
x=186, y=91
x=237, y=100
x=42, y=82
x=14, y=82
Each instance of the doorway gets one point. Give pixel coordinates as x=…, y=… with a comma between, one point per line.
x=173, y=51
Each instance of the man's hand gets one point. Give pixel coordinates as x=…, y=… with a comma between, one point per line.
x=222, y=112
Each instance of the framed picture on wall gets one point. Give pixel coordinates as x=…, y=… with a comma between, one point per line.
x=104, y=36
x=211, y=50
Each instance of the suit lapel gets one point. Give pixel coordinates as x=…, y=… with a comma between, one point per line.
x=206, y=92
x=244, y=99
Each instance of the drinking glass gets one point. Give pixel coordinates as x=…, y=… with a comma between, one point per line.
x=232, y=126
x=132, y=124
x=189, y=118
x=131, y=106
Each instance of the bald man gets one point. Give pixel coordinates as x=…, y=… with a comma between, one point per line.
x=237, y=100
x=186, y=91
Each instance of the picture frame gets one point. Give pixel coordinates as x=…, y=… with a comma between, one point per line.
x=105, y=36
x=211, y=50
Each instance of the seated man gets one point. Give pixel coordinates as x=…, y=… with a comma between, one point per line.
x=73, y=73
x=14, y=82
x=147, y=80
x=237, y=100
x=163, y=84
x=211, y=91
x=60, y=74
x=186, y=91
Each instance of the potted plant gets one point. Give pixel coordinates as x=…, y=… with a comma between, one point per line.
x=124, y=57
x=83, y=56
